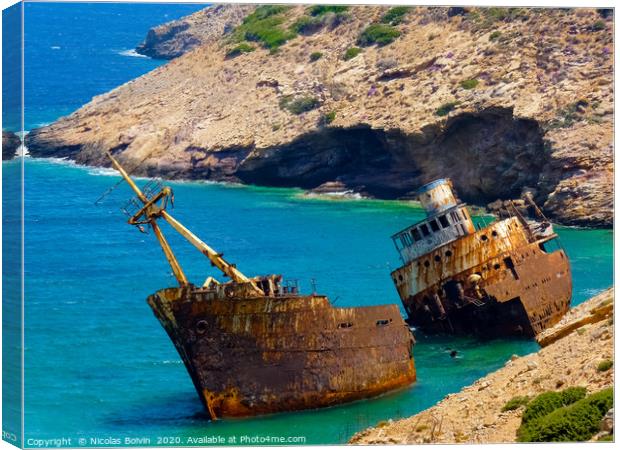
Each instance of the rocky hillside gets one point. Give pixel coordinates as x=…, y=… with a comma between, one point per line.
x=376, y=99
x=480, y=413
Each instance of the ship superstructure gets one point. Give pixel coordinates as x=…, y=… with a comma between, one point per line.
x=256, y=345
x=511, y=277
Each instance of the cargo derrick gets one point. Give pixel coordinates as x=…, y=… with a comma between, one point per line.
x=256, y=345
x=511, y=277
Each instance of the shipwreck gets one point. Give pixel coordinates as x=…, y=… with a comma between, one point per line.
x=257, y=345
x=511, y=277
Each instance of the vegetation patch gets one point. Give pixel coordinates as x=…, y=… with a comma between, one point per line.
x=299, y=105
x=445, y=109
x=568, y=116
x=494, y=36
x=378, y=33
x=577, y=421
x=307, y=25
x=319, y=10
x=469, y=84
x=328, y=117
x=395, y=15
x=605, y=365
x=239, y=49
x=599, y=25
x=315, y=56
x=264, y=26
x=351, y=53
x=515, y=403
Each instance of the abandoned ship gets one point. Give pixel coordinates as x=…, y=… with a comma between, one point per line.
x=256, y=345
x=511, y=277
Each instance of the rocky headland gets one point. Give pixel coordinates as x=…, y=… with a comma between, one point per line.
x=373, y=99
x=480, y=413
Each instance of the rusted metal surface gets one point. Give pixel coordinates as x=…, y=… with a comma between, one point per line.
x=504, y=279
x=258, y=355
x=254, y=346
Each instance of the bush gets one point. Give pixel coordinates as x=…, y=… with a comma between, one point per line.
x=239, y=49
x=378, y=33
x=550, y=401
x=307, y=25
x=319, y=10
x=299, y=105
x=444, y=109
x=315, y=56
x=605, y=365
x=328, y=117
x=494, y=36
x=263, y=26
x=395, y=15
x=599, y=25
x=515, y=403
x=576, y=422
x=352, y=53
x=469, y=84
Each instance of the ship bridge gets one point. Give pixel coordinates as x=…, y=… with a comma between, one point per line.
x=446, y=220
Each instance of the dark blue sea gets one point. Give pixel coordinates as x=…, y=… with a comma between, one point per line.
x=97, y=362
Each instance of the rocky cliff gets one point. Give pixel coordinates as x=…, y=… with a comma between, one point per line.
x=377, y=99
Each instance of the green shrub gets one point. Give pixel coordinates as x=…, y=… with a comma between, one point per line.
x=307, y=25
x=319, y=10
x=599, y=25
x=576, y=422
x=550, y=401
x=395, y=15
x=315, y=56
x=299, y=105
x=515, y=403
x=469, y=84
x=239, y=49
x=352, y=53
x=444, y=109
x=605, y=365
x=494, y=36
x=328, y=117
x=263, y=26
x=378, y=33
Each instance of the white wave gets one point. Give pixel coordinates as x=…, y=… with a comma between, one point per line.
x=132, y=53
x=55, y=47
x=342, y=195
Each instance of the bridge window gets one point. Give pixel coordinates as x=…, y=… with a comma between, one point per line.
x=424, y=229
x=443, y=220
x=455, y=216
x=415, y=233
x=434, y=225
x=345, y=325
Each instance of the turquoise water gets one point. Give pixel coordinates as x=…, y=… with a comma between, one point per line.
x=98, y=364
x=97, y=361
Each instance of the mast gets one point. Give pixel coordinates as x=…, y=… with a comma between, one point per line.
x=152, y=210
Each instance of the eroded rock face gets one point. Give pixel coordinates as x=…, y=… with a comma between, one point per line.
x=10, y=144
x=540, y=114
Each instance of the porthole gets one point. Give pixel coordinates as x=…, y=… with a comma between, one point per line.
x=483, y=237
x=201, y=326
x=400, y=277
x=426, y=264
x=448, y=253
x=496, y=266
x=437, y=258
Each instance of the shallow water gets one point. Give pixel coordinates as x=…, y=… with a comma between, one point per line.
x=98, y=364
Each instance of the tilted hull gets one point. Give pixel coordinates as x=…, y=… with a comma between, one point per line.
x=250, y=356
x=524, y=289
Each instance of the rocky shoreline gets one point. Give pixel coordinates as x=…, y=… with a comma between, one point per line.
x=475, y=415
x=503, y=102
x=10, y=145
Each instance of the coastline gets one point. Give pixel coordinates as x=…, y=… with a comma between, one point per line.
x=474, y=415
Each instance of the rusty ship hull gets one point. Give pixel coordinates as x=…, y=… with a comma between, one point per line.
x=249, y=356
x=510, y=278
